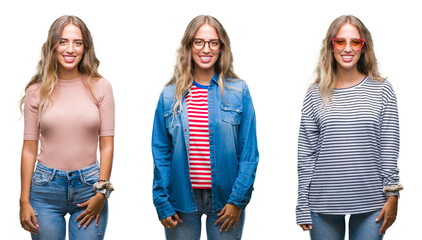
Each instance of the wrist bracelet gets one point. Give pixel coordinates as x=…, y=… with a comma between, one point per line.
x=104, y=187
x=394, y=188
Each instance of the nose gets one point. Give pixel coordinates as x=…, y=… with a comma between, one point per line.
x=69, y=48
x=348, y=48
x=206, y=48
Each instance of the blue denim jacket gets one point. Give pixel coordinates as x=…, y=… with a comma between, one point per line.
x=233, y=149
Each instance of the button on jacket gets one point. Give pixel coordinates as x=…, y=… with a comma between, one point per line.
x=233, y=149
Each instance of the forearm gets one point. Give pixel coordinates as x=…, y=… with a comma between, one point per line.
x=29, y=154
x=106, y=157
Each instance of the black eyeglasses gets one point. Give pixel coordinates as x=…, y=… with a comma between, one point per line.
x=213, y=44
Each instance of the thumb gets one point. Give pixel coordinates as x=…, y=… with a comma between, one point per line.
x=35, y=221
x=82, y=204
x=178, y=219
x=380, y=216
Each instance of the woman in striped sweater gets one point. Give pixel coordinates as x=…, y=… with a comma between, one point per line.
x=204, y=139
x=348, y=141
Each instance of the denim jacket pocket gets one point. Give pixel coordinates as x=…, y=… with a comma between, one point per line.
x=231, y=113
x=91, y=177
x=171, y=118
x=40, y=178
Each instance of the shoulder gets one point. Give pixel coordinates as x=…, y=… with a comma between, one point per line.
x=100, y=83
x=235, y=83
x=381, y=86
x=34, y=88
x=33, y=92
x=168, y=96
x=101, y=86
x=169, y=90
x=313, y=92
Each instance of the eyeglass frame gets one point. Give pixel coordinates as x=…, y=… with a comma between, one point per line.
x=348, y=43
x=207, y=42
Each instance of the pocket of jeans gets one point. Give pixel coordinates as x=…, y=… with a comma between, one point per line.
x=91, y=177
x=171, y=118
x=41, y=178
x=231, y=113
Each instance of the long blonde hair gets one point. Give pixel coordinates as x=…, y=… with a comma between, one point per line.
x=327, y=66
x=184, y=68
x=47, y=76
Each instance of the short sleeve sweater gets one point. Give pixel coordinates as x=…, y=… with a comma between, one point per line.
x=347, y=151
x=69, y=128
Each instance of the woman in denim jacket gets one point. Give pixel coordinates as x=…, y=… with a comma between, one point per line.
x=204, y=139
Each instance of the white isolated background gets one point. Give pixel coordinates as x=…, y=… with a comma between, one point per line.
x=275, y=46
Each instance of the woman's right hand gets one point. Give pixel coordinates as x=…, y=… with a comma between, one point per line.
x=171, y=222
x=28, y=220
x=306, y=227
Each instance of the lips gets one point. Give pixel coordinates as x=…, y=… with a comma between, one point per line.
x=69, y=58
x=205, y=58
x=347, y=58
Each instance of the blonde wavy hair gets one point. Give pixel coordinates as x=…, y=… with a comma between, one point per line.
x=327, y=66
x=47, y=75
x=184, y=68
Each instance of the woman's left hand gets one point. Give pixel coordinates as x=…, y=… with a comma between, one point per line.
x=230, y=215
x=94, y=206
x=389, y=212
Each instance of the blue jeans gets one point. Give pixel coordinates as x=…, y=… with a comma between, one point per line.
x=190, y=228
x=54, y=193
x=332, y=227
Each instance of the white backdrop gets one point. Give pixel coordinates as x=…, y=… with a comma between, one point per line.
x=275, y=46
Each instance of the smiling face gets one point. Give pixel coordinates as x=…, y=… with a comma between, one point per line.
x=205, y=58
x=69, y=51
x=347, y=58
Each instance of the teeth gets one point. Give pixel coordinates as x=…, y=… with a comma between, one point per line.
x=347, y=57
x=205, y=58
x=69, y=58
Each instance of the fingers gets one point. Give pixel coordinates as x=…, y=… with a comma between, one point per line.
x=178, y=219
x=29, y=221
x=222, y=211
x=81, y=216
x=97, y=218
x=226, y=225
x=380, y=216
x=388, y=221
x=219, y=220
x=229, y=217
x=171, y=222
x=89, y=221
x=306, y=227
x=81, y=205
x=86, y=220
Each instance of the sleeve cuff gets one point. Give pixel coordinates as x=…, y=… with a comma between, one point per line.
x=165, y=210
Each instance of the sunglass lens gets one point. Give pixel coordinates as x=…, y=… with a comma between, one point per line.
x=340, y=43
x=356, y=44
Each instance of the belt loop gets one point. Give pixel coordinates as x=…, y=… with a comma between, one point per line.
x=52, y=175
x=80, y=175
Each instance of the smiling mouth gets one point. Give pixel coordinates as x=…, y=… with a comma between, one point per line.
x=69, y=59
x=347, y=58
x=205, y=59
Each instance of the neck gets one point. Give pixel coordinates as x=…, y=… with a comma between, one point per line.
x=202, y=76
x=65, y=74
x=348, y=78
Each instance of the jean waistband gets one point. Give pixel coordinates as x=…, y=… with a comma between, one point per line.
x=68, y=174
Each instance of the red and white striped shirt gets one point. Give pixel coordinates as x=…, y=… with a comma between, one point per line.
x=199, y=141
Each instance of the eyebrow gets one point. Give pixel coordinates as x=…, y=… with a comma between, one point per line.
x=73, y=39
x=207, y=40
